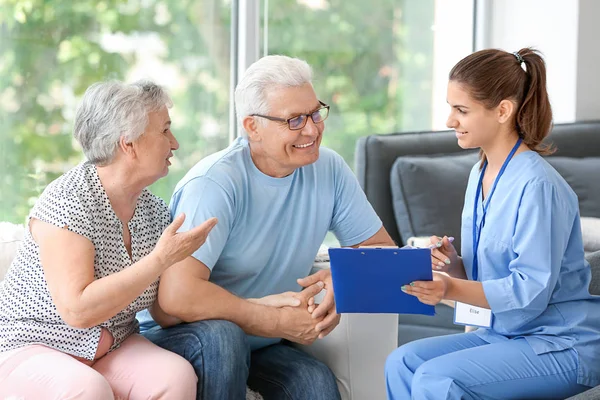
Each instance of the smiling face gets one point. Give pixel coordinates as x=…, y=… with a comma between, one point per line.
x=475, y=125
x=156, y=145
x=276, y=149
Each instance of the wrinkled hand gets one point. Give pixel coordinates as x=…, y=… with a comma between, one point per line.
x=173, y=247
x=443, y=254
x=296, y=324
x=287, y=299
x=429, y=292
x=327, y=308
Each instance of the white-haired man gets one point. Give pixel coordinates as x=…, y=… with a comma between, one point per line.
x=276, y=194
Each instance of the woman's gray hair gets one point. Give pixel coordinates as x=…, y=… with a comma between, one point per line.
x=265, y=75
x=111, y=110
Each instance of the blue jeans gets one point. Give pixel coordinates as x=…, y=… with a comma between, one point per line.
x=464, y=366
x=224, y=364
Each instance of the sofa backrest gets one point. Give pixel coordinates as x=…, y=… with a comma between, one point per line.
x=376, y=154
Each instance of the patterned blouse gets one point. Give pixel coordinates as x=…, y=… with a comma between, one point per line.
x=77, y=201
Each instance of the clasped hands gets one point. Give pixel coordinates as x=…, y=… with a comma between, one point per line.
x=299, y=309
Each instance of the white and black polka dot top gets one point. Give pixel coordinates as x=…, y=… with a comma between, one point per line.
x=78, y=201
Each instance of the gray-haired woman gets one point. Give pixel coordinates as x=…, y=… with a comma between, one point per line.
x=97, y=242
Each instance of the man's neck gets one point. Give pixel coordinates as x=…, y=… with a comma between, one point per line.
x=267, y=165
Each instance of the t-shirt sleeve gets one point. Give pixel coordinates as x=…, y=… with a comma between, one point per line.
x=200, y=199
x=64, y=209
x=541, y=235
x=354, y=219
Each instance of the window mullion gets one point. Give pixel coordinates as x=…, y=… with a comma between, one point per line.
x=246, y=19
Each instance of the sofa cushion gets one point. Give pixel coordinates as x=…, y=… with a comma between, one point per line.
x=582, y=175
x=428, y=194
x=594, y=260
x=590, y=231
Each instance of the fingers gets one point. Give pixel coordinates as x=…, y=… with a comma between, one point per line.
x=204, y=228
x=447, y=243
x=439, y=260
x=311, y=305
x=285, y=300
x=425, y=295
x=310, y=280
x=328, y=324
x=176, y=224
x=326, y=305
x=310, y=291
x=421, y=289
x=441, y=250
x=421, y=286
x=434, y=241
x=327, y=331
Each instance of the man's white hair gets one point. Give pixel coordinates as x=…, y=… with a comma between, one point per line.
x=113, y=109
x=265, y=75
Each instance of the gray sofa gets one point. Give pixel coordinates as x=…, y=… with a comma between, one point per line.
x=416, y=183
x=594, y=260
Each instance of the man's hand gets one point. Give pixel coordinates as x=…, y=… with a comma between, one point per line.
x=429, y=292
x=287, y=299
x=326, y=309
x=296, y=324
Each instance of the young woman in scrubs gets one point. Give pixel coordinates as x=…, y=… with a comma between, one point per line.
x=522, y=254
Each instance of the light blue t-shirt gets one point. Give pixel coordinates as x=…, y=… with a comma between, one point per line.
x=270, y=229
x=531, y=263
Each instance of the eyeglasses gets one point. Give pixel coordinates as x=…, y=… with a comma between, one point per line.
x=298, y=122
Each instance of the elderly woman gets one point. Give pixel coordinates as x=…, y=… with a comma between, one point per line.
x=96, y=244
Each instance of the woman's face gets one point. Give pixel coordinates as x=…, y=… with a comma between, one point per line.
x=475, y=125
x=155, y=146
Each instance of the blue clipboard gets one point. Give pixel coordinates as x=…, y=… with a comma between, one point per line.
x=368, y=280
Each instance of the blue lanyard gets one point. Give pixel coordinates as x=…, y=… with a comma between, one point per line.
x=476, y=229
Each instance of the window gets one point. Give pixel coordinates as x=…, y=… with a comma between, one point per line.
x=382, y=66
x=53, y=50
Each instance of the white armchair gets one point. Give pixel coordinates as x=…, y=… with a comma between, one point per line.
x=355, y=351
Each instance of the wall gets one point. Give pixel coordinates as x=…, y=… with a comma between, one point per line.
x=588, y=66
x=566, y=31
x=551, y=27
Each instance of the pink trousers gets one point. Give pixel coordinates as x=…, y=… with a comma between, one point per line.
x=137, y=370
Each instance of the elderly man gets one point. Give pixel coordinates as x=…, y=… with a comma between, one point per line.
x=276, y=194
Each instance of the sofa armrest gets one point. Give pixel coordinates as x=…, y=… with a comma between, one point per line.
x=356, y=351
x=11, y=236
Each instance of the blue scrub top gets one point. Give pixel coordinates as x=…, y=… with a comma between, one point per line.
x=531, y=263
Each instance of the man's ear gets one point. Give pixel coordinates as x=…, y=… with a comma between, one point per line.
x=506, y=110
x=126, y=147
x=251, y=126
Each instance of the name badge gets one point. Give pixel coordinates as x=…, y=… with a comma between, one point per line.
x=466, y=314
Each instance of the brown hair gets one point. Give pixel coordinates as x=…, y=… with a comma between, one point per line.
x=493, y=75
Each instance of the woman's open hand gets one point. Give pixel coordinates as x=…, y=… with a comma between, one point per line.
x=173, y=247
